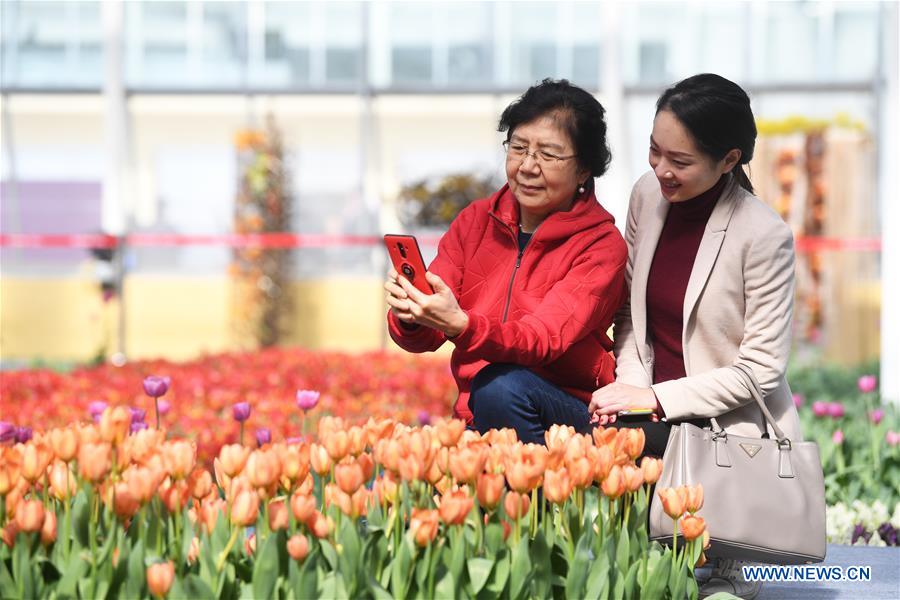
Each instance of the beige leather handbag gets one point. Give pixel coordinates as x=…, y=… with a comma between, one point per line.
x=764, y=499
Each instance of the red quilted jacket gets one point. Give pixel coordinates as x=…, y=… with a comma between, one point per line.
x=548, y=308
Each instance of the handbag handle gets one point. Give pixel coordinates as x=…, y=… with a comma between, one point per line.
x=752, y=384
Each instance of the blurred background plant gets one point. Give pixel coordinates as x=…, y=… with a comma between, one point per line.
x=435, y=201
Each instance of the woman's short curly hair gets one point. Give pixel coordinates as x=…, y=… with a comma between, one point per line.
x=578, y=113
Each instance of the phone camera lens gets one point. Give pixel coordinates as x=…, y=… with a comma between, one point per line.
x=408, y=271
x=402, y=250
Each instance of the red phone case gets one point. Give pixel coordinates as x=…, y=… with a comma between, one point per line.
x=407, y=260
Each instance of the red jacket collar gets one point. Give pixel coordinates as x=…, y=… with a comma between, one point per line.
x=585, y=213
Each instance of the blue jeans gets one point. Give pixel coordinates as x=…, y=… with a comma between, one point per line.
x=504, y=395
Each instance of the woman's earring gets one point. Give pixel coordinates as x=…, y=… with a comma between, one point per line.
x=581, y=189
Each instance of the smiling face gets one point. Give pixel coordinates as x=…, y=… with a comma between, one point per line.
x=544, y=189
x=683, y=170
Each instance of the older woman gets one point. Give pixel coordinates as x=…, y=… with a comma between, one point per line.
x=527, y=281
x=711, y=269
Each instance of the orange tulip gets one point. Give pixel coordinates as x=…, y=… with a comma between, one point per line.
x=30, y=515
x=200, y=482
x=379, y=430
x=175, y=495
x=412, y=469
x=692, y=527
x=557, y=486
x=614, y=484
x=490, y=489
x=348, y=476
x=652, y=469
x=295, y=462
x=501, y=436
x=455, y=506
x=558, y=435
x=525, y=465
x=223, y=480
x=516, y=505
x=353, y=505
x=673, y=501
x=434, y=473
x=581, y=471
x=143, y=482
x=278, y=516
x=320, y=525
x=303, y=506
x=307, y=486
x=357, y=440
x=144, y=444
x=604, y=436
x=210, y=511
x=115, y=423
x=386, y=488
x=337, y=444
x=634, y=477
x=298, y=547
x=8, y=534
x=449, y=431
x=633, y=442
x=232, y=459
x=94, y=461
x=319, y=459
x=125, y=505
x=423, y=524
x=179, y=458
x=578, y=447
x=193, y=551
x=10, y=467
x=88, y=434
x=62, y=481
x=48, y=530
x=250, y=544
x=263, y=468
x=160, y=577
x=36, y=455
x=496, y=459
x=467, y=463
x=245, y=508
x=603, y=461
x=693, y=500
x=328, y=425
x=64, y=443
x=367, y=464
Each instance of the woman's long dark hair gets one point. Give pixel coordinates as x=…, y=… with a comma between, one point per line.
x=717, y=113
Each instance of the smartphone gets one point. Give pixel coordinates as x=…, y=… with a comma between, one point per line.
x=407, y=260
x=634, y=415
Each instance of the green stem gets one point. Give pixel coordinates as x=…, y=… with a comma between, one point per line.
x=674, y=542
x=94, y=503
x=533, y=514
x=67, y=543
x=224, y=554
x=156, y=402
x=242, y=433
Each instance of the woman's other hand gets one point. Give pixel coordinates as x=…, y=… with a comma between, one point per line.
x=609, y=400
x=439, y=310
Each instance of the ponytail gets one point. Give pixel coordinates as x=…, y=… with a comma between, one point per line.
x=741, y=177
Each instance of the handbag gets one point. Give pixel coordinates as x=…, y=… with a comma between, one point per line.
x=764, y=499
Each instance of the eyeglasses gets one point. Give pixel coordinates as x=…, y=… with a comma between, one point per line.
x=546, y=160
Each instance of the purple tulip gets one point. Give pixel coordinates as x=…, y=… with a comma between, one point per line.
x=820, y=409
x=263, y=436
x=138, y=415
x=424, y=417
x=155, y=386
x=888, y=533
x=241, y=411
x=7, y=432
x=859, y=531
x=138, y=426
x=294, y=440
x=799, y=400
x=307, y=399
x=876, y=416
x=837, y=437
x=23, y=434
x=163, y=406
x=867, y=384
x=96, y=409
x=835, y=410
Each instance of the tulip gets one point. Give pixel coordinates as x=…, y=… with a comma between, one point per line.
x=604, y=436
x=357, y=440
x=349, y=477
x=307, y=399
x=673, y=501
x=179, y=458
x=835, y=410
x=10, y=466
x=424, y=417
x=876, y=416
x=353, y=505
x=30, y=515
x=136, y=427
x=423, y=524
x=837, y=438
x=233, y=458
x=516, y=505
x=820, y=409
x=95, y=409
x=48, y=530
x=36, y=456
x=320, y=525
x=337, y=444
x=467, y=463
x=94, y=461
x=175, y=495
x=23, y=434
x=160, y=577
x=263, y=468
x=692, y=527
x=581, y=471
x=603, y=462
x=263, y=437
x=412, y=469
x=194, y=551
x=8, y=534
x=489, y=489
x=245, y=508
x=156, y=386
x=114, y=425
x=298, y=547
x=241, y=412
x=143, y=482
x=558, y=435
x=634, y=477
x=7, y=433
x=449, y=431
x=386, y=489
x=209, y=513
x=200, y=482
x=278, y=516
x=62, y=481
x=125, y=504
x=64, y=443
x=455, y=506
x=250, y=544
x=137, y=415
x=867, y=384
x=614, y=484
x=652, y=469
x=557, y=486
x=799, y=400
x=693, y=498
x=892, y=438
x=303, y=506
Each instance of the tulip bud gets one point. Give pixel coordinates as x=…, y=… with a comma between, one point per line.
x=319, y=459
x=245, y=508
x=48, y=530
x=62, y=481
x=320, y=525
x=651, y=469
x=160, y=577
x=64, y=443
x=455, y=506
x=8, y=534
x=115, y=424
x=337, y=445
x=634, y=477
x=516, y=505
x=303, y=506
x=449, y=431
x=179, y=458
x=307, y=399
x=30, y=515
x=693, y=499
x=423, y=524
x=241, y=411
x=298, y=547
x=348, y=476
x=614, y=484
x=194, y=551
x=557, y=486
x=200, y=482
x=278, y=516
x=692, y=527
x=673, y=501
x=490, y=489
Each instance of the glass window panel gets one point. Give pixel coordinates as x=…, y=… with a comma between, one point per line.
x=533, y=30
x=411, y=42
x=587, y=28
x=855, y=43
x=653, y=62
x=586, y=65
x=161, y=29
x=469, y=37
x=343, y=39
x=467, y=64
x=411, y=64
x=342, y=64
x=791, y=29
x=287, y=44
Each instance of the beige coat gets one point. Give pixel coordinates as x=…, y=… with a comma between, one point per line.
x=737, y=308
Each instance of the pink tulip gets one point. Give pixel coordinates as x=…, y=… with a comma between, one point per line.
x=241, y=411
x=876, y=416
x=163, y=406
x=155, y=386
x=799, y=400
x=867, y=384
x=820, y=409
x=835, y=410
x=892, y=438
x=424, y=417
x=837, y=437
x=307, y=399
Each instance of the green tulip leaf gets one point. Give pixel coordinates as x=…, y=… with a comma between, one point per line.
x=378, y=592
x=578, y=569
x=493, y=538
x=22, y=568
x=632, y=590
x=446, y=587
x=598, y=578
x=194, y=587
x=81, y=520
x=74, y=572
x=521, y=569
x=623, y=551
x=543, y=572
x=400, y=567
x=304, y=578
x=137, y=575
x=265, y=569
x=658, y=567
x=329, y=553
x=479, y=570
x=500, y=574
x=350, y=554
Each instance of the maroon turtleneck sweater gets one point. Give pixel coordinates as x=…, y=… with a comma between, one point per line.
x=668, y=279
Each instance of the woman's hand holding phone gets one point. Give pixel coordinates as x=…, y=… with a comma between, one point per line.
x=620, y=400
x=439, y=310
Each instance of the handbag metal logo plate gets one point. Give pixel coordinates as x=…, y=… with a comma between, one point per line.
x=750, y=449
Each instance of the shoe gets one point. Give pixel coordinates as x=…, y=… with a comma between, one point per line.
x=727, y=577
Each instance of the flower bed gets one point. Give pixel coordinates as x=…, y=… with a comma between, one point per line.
x=375, y=510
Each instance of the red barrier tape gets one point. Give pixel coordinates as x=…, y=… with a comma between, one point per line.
x=305, y=240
